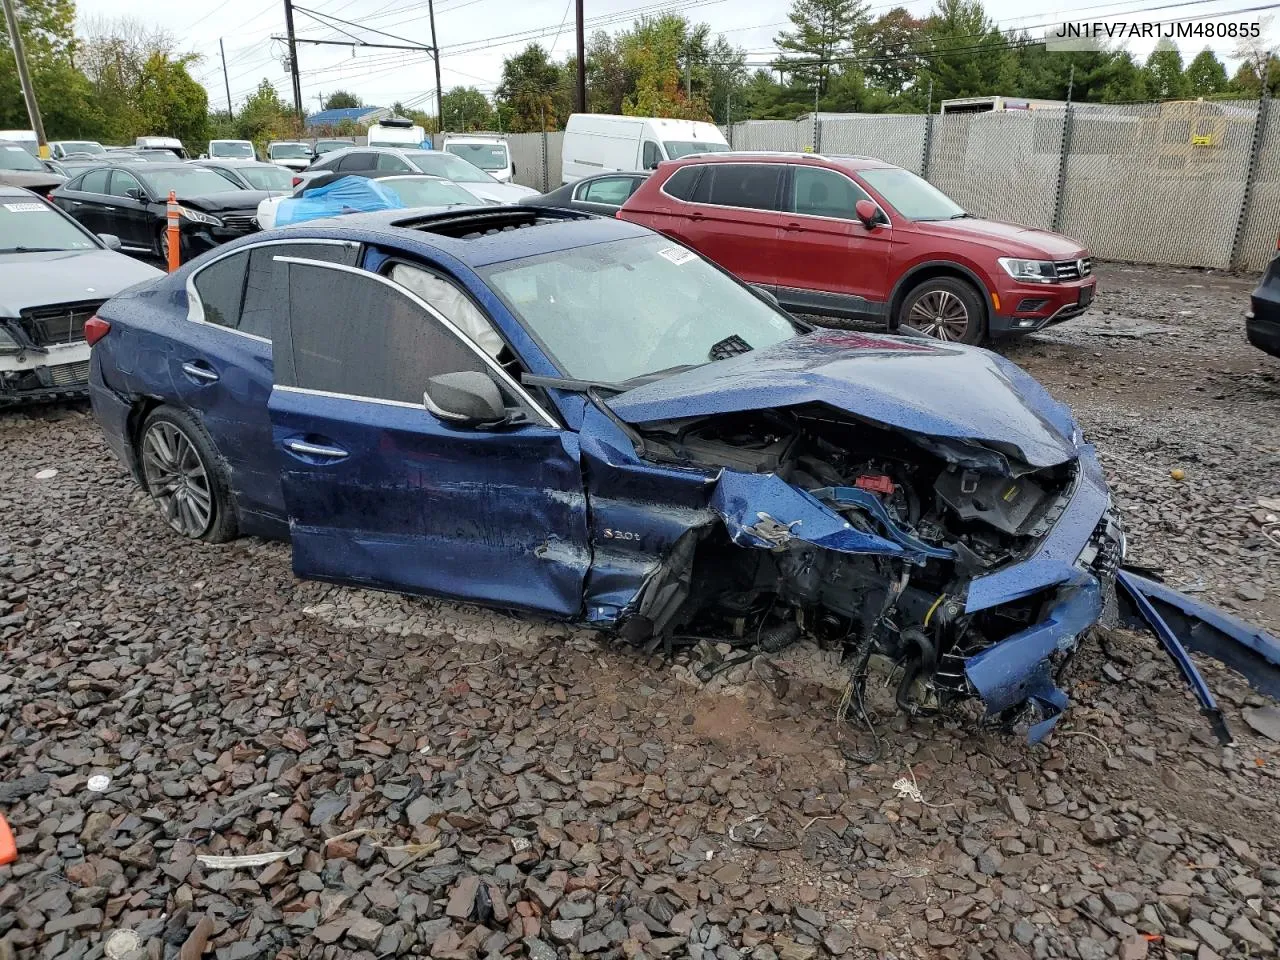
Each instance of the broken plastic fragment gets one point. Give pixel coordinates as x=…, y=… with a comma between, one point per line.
x=99, y=783
x=248, y=860
x=47, y=474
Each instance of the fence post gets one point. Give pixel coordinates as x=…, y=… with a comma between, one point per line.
x=928, y=146
x=1068, y=121
x=546, y=174
x=1242, y=218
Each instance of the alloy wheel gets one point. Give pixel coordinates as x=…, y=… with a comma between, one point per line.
x=941, y=314
x=177, y=479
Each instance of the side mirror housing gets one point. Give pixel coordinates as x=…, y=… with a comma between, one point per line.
x=467, y=399
x=868, y=213
x=111, y=240
x=133, y=193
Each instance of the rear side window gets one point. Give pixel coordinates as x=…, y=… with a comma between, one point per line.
x=754, y=186
x=356, y=162
x=824, y=193
x=681, y=183
x=95, y=181
x=221, y=289
x=264, y=290
x=610, y=190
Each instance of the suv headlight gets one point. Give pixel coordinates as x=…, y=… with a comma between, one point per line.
x=1030, y=271
x=199, y=217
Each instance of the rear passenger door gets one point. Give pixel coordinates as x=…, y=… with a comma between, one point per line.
x=222, y=369
x=87, y=201
x=734, y=217
x=833, y=263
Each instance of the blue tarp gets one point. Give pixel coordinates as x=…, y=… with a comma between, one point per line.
x=348, y=195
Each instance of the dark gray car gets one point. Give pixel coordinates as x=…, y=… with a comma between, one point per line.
x=18, y=168
x=54, y=274
x=604, y=193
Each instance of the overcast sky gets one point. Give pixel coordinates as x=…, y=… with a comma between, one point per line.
x=475, y=35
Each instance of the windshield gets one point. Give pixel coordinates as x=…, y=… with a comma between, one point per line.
x=34, y=225
x=683, y=148
x=421, y=192
x=185, y=182
x=290, y=151
x=448, y=166
x=486, y=156
x=82, y=146
x=911, y=196
x=268, y=178
x=616, y=311
x=231, y=148
x=328, y=146
x=15, y=158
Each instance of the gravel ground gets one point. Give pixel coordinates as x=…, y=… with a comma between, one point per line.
x=439, y=780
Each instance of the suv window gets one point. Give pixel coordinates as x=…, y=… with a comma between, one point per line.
x=750, y=185
x=122, y=182
x=389, y=354
x=393, y=164
x=95, y=181
x=221, y=289
x=264, y=289
x=355, y=162
x=681, y=183
x=817, y=192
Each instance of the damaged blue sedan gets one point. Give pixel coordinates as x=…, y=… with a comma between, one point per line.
x=543, y=411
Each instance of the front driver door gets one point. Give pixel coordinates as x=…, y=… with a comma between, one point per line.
x=381, y=493
x=131, y=219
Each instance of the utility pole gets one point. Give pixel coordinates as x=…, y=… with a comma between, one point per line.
x=435, y=55
x=688, y=73
x=293, y=58
x=24, y=78
x=582, y=62
x=223, y=51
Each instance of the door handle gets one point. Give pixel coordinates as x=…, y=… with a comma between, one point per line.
x=697, y=216
x=305, y=449
x=793, y=227
x=199, y=370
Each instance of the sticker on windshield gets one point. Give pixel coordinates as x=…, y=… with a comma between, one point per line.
x=26, y=208
x=15, y=149
x=678, y=255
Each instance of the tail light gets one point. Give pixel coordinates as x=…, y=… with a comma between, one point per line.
x=95, y=328
x=296, y=181
x=49, y=196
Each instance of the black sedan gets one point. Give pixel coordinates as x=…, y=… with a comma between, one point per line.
x=605, y=193
x=1262, y=322
x=129, y=200
x=250, y=174
x=54, y=274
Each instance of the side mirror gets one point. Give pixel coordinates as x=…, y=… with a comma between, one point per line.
x=134, y=193
x=868, y=213
x=204, y=156
x=111, y=240
x=468, y=399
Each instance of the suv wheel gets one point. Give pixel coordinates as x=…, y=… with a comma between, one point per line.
x=945, y=308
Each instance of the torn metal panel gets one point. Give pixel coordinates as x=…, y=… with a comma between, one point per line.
x=1020, y=669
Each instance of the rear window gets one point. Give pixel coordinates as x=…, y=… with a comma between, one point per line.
x=486, y=156
x=682, y=182
x=753, y=186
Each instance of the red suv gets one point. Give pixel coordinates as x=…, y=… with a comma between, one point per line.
x=858, y=238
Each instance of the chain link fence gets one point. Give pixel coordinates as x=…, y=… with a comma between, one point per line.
x=896, y=139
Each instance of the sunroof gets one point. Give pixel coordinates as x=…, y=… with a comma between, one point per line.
x=474, y=224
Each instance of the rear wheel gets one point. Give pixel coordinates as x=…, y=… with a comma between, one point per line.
x=945, y=308
x=185, y=476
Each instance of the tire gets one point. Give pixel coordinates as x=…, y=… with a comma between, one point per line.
x=946, y=309
x=185, y=476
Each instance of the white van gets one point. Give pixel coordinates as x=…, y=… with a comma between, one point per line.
x=603, y=143
x=230, y=150
x=396, y=132
x=172, y=144
x=490, y=154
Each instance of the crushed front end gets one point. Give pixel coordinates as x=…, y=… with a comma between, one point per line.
x=43, y=353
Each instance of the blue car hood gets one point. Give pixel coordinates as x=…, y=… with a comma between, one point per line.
x=922, y=386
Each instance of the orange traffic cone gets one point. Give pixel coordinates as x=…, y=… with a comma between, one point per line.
x=8, y=848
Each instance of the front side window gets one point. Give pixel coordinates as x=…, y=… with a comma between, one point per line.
x=220, y=287
x=451, y=302
x=390, y=163
x=625, y=309
x=122, y=182
x=359, y=335
x=816, y=192
x=754, y=186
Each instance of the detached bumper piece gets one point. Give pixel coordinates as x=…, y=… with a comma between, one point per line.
x=1181, y=624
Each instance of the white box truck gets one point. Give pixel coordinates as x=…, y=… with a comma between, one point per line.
x=604, y=143
x=396, y=132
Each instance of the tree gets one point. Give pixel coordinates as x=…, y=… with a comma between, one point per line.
x=466, y=108
x=660, y=53
x=1164, y=72
x=170, y=102
x=823, y=29
x=891, y=43
x=48, y=37
x=726, y=79
x=967, y=55
x=265, y=116
x=1205, y=75
x=528, y=89
x=341, y=99
x=1091, y=76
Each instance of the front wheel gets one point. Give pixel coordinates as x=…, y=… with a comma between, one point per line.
x=185, y=476
x=945, y=308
